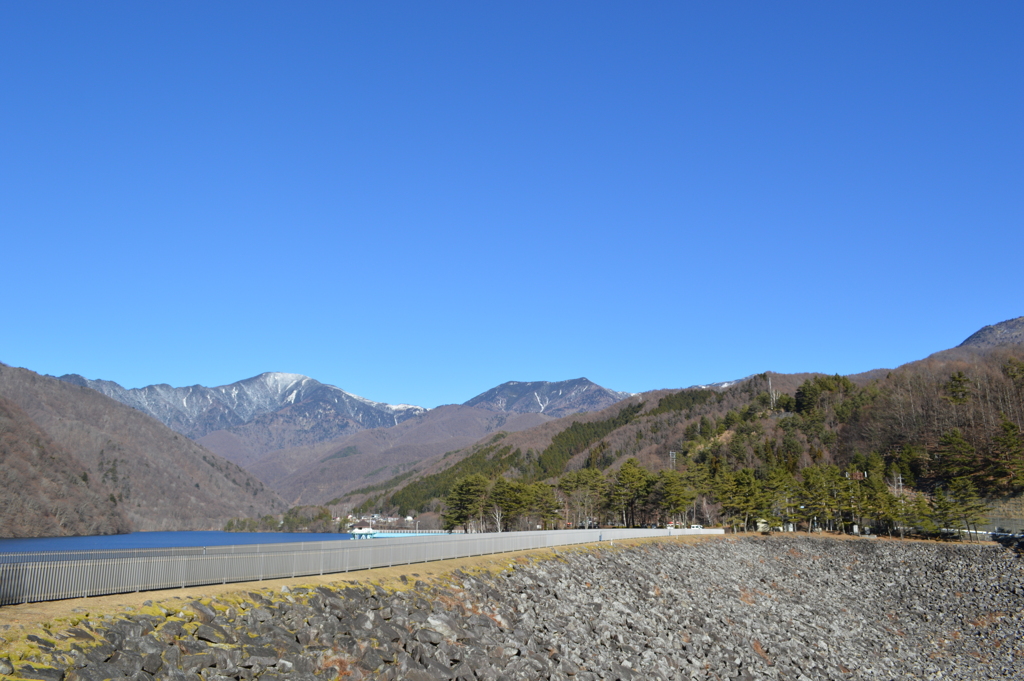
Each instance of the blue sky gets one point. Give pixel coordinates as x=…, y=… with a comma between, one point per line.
x=418, y=201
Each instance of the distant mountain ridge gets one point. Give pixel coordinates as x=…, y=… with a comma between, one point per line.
x=196, y=411
x=556, y=399
x=280, y=412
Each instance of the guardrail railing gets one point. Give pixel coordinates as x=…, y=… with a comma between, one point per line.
x=29, y=577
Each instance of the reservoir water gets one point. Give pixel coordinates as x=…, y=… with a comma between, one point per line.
x=148, y=540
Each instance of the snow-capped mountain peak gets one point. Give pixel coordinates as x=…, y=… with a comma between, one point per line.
x=196, y=410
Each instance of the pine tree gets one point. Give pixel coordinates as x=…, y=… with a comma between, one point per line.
x=819, y=494
x=956, y=455
x=629, y=488
x=970, y=507
x=506, y=503
x=879, y=502
x=1004, y=460
x=921, y=514
x=945, y=513
x=780, y=493
x=698, y=478
x=750, y=502
x=673, y=495
x=542, y=505
x=465, y=502
x=727, y=493
x=958, y=389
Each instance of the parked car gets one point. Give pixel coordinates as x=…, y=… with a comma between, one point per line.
x=696, y=527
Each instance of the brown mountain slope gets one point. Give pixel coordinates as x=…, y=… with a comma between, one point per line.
x=161, y=480
x=538, y=438
x=649, y=436
x=623, y=443
x=291, y=427
x=317, y=474
x=46, y=491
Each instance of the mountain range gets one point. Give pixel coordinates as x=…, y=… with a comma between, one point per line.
x=257, y=415
x=188, y=458
x=313, y=442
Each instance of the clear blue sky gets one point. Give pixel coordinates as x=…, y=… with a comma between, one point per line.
x=418, y=201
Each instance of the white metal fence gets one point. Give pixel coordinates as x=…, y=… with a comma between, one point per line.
x=28, y=577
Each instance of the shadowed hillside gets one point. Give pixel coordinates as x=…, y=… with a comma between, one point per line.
x=316, y=474
x=46, y=491
x=160, y=480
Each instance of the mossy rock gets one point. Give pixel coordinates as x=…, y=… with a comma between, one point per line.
x=153, y=611
x=25, y=651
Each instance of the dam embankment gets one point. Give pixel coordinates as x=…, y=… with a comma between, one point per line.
x=749, y=608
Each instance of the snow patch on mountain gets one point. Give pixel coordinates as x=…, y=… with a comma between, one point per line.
x=550, y=398
x=722, y=385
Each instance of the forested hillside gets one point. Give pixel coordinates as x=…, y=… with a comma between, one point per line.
x=918, y=445
x=156, y=478
x=46, y=490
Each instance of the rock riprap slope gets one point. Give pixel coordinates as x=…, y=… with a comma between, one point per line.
x=779, y=608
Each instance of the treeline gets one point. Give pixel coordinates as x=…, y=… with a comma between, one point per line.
x=577, y=438
x=479, y=504
x=493, y=461
x=296, y=519
x=821, y=496
x=932, y=429
x=949, y=421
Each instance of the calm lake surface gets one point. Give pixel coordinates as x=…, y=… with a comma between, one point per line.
x=148, y=540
